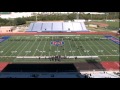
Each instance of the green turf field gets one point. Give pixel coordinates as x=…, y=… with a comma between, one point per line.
x=39, y=46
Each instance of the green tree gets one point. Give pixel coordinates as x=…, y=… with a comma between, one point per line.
x=19, y=21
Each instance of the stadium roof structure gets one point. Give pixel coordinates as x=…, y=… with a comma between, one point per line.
x=57, y=27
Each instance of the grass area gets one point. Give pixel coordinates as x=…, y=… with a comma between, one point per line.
x=112, y=25
x=82, y=45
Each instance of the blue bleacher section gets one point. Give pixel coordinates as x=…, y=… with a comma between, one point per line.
x=57, y=27
x=112, y=38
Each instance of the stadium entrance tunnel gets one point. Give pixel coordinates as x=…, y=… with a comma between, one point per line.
x=40, y=68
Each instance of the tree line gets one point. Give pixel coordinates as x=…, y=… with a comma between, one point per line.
x=40, y=17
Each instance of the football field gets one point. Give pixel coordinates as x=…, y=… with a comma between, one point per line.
x=32, y=48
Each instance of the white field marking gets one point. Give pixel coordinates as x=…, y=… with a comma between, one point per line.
x=13, y=51
x=27, y=37
x=25, y=60
x=35, y=57
x=27, y=51
x=57, y=35
x=42, y=51
x=50, y=47
x=66, y=37
x=18, y=47
x=57, y=48
x=23, y=48
x=72, y=51
x=57, y=51
x=114, y=50
x=86, y=50
x=86, y=37
x=96, y=46
x=76, y=46
x=83, y=46
x=108, y=55
x=44, y=47
x=110, y=43
x=67, y=56
x=100, y=51
x=17, y=38
x=64, y=51
x=7, y=56
x=46, y=37
x=109, y=47
x=70, y=47
x=37, y=37
x=7, y=45
x=10, y=49
x=91, y=48
x=31, y=46
x=1, y=51
x=76, y=37
x=64, y=48
x=37, y=47
x=104, y=48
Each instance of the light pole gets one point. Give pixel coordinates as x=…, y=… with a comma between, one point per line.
x=106, y=17
x=77, y=15
x=36, y=17
x=115, y=15
x=91, y=16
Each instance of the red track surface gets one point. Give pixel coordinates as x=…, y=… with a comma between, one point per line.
x=111, y=65
x=60, y=33
x=3, y=65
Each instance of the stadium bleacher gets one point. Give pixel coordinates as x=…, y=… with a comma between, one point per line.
x=57, y=27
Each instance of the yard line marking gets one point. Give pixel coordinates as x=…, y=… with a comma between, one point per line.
x=43, y=47
x=109, y=46
x=18, y=47
x=23, y=48
x=96, y=47
x=83, y=46
x=48, y=56
x=10, y=48
x=104, y=48
x=70, y=47
x=112, y=45
x=64, y=49
x=37, y=46
x=76, y=46
x=57, y=35
x=57, y=47
x=31, y=46
x=108, y=55
x=7, y=45
x=50, y=47
x=91, y=48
